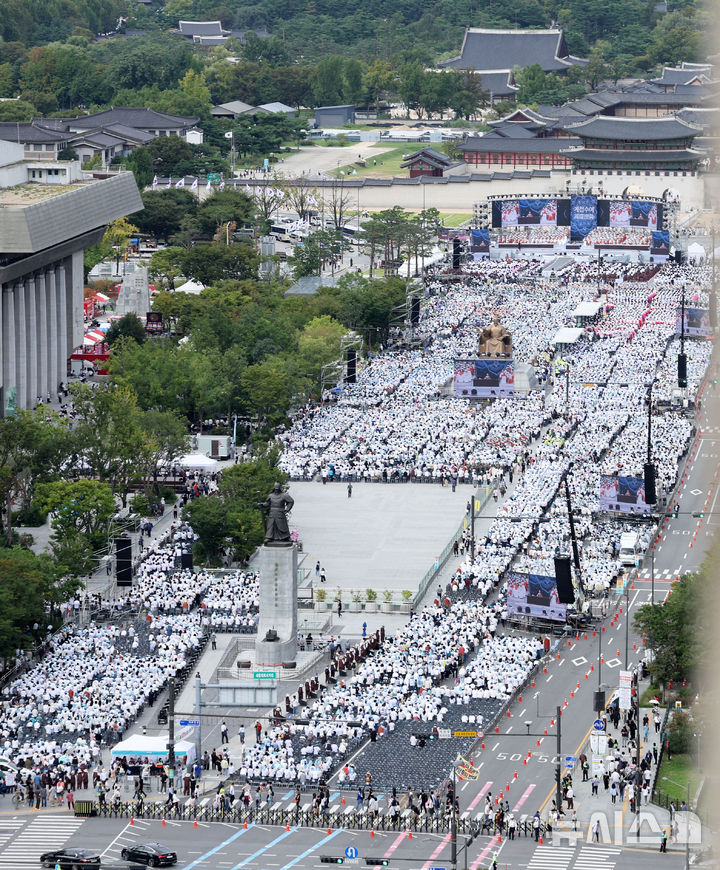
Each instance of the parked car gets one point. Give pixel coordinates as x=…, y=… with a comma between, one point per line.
x=150, y=854
x=72, y=858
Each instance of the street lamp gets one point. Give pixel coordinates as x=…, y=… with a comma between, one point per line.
x=687, y=819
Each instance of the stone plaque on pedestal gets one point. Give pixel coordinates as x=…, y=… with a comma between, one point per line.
x=277, y=628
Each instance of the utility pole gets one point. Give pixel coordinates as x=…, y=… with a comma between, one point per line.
x=198, y=716
x=171, y=723
x=453, y=823
x=558, y=790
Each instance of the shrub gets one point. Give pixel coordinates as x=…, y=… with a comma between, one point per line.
x=32, y=516
x=680, y=732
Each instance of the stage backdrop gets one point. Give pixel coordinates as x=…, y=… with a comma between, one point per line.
x=697, y=321
x=622, y=494
x=583, y=216
x=534, y=595
x=483, y=378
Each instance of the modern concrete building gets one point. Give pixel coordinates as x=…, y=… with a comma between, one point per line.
x=45, y=226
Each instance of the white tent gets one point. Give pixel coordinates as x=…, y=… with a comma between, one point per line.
x=587, y=309
x=145, y=746
x=696, y=252
x=194, y=287
x=198, y=461
x=567, y=335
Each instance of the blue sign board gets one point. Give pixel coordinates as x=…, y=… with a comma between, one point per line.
x=583, y=216
x=351, y=852
x=599, y=725
x=194, y=722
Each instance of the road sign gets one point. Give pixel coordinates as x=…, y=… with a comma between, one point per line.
x=465, y=734
x=193, y=722
x=351, y=852
x=570, y=759
x=265, y=675
x=444, y=733
x=599, y=725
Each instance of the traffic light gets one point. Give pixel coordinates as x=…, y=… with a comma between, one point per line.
x=328, y=859
x=377, y=862
x=676, y=510
x=682, y=370
x=649, y=474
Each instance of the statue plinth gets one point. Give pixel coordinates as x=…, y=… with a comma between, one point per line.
x=277, y=564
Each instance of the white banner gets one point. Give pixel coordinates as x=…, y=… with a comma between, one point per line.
x=625, y=693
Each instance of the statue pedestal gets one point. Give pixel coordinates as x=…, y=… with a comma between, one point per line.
x=278, y=605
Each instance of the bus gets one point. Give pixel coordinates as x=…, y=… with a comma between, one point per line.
x=280, y=232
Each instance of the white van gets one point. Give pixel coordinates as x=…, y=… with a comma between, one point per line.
x=629, y=548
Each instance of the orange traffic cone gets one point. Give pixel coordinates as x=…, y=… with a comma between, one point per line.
x=132, y=820
x=245, y=826
x=343, y=801
x=287, y=828
x=195, y=824
x=163, y=823
x=540, y=841
x=329, y=830
x=499, y=839
x=409, y=835
x=372, y=833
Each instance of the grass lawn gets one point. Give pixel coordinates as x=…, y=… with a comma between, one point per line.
x=682, y=769
x=387, y=162
x=454, y=219
x=650, y=693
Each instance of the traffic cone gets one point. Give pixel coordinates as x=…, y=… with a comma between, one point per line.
x=372, y=833
x=245, y=826
x=343, y=801
x=132, y=820
x=545, y=670
x=195, y=824
x=540, y=841
x=515, y=776
x=537, y=742
x=164, y=823
x=585, y=636
x=287, y=828
x=577, y=685
x=586, y=676
x=409, y=835
x=329, y=830
x=525, y=761
x=569, y=644
x=520, y=698
x=533, y=684
x=508, y=714
x=499, y=839
x=572, y=695
x=497, y=730
x=482, y=746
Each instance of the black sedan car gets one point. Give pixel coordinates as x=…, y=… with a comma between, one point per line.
x=72, y=858
x=150, y=854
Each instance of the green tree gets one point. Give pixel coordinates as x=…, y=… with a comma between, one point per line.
x=109, y=435
x=380, y=78
x=117, y=237
x=29, y=582
x=328, y=83
x=353, y=88
x=319, y=344
x=128, y=327
x=211, y=263
x=671, y=630
x=78, y=508
x=17, y=110
x=140, y=164
x=163, y=211
x=267, y=387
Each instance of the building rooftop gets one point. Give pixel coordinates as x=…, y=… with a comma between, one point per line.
x=201, y=28
x=489, y=49
x=24, y=195
x=634, y=129
x=552, y=145
x=610, y=155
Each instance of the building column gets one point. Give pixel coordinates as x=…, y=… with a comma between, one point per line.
x=52, y=331
x=8, y=345
x=21, y=345
x=63, y=327
x=41, y=322
x=31, y=341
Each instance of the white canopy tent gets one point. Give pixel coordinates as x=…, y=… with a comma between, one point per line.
x=567, y=335
x=198, y=462
x=194, y=287
x=587, y=309
x=153, y=748
x=696, y=252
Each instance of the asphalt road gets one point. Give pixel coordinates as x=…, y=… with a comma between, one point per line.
x=228, y=847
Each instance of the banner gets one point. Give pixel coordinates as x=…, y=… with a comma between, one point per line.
x=697, y=322
x=480, y=241
x=483, y=378
x=622, y=494
x=660, y=244
x=625, y=692
x=583, y=216
x=534, y=595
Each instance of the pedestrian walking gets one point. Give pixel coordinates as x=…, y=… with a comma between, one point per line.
x=323, y=577
x=224, y=737
x=213, y=640
x=258, y=732
x=596, y=831
x=349, y=490
x=663, y=840
x=339, y=607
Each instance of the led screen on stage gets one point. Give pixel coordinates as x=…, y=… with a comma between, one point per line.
x=483, y=378
x=534, y=595
x=480, y=241
x=697, y=321
x=528, y=212
x=583, y=215
x=622, y=494
x=620, y=213
x=644, y=214
x=660, y=245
